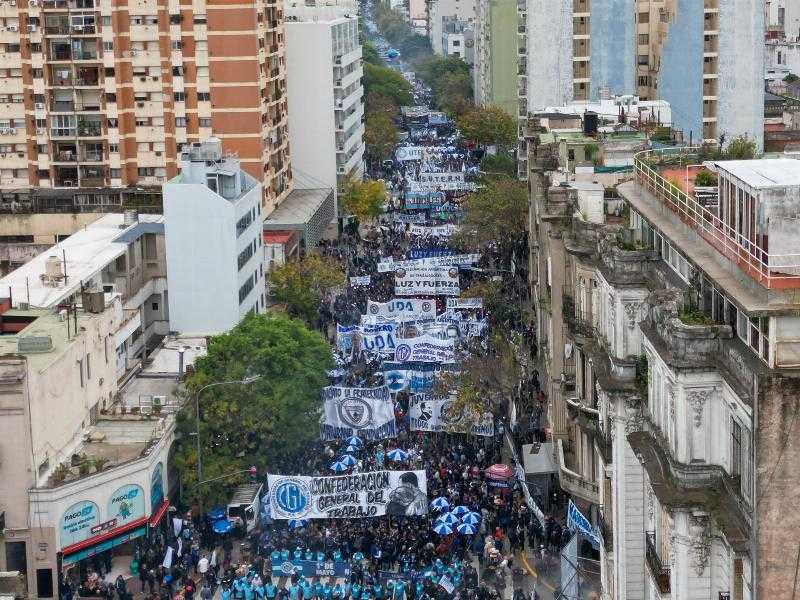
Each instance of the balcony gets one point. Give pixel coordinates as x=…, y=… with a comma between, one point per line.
x=661, y=574
x=606, y=531
x=772, y=271
x=574, y=483
x=678, y=485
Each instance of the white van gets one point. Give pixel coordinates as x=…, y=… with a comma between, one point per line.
x=244, y=505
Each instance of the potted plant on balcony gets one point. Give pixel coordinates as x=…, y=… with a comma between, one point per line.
x=99, y=463
x=84, y=465
x=60, y=474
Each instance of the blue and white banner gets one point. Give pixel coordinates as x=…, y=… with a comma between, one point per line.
x=361, y=281
x=388, y=264
x=425, y=348
x=428, y=412
x=437, y=231
x=311, y=568
x=414, y=377
x=360, y=495
x=429, y=252
x=378, y=338
x=399, y=217
x=468, y=303
x=344, y=337
x=577, y=522
x=365, y=412
x=403, y=309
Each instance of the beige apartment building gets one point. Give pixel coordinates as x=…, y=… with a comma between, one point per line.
x=101, y=96
x=669, y=345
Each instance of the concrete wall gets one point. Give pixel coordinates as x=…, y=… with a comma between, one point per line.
x=309, y=87
x=549, y=53
x=45, y=227
x=463, y=9
x=504, y=51
x=613, y=47
x=740, y=104
x=680, y=81
x=778, y=483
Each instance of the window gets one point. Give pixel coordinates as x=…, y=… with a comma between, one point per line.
x=644, y=39
x=177, y=44
x=113, y=147
x=203, y=97
x=180, y=121
x=150, y=248
x=88, y=367
x=179, y=97
x=741, y=465
x=109, y=71
x=247, y=287
x=115, y=173
x=154, y=306
x=106, y=20
x=204, y=122
x=199, y=20
x=177, y=71
x=44, y=583
x=108, y=46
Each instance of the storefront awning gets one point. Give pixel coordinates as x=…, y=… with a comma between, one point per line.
x=104, y=541
x=156, y=516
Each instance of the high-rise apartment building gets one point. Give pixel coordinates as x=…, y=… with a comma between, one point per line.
x=98, y=95
x=326, y=128
x=496, y=54
x=464, y=10
x=706, y=58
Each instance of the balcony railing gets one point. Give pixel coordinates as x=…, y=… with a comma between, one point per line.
x=574, y=483
x=773, y=271
x=660, y=573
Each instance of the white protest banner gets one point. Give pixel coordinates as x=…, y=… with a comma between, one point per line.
x=412, y=218
x=426, y=281
x=405, y=153
x=443, y=231
x=361, y=495
x=465, y=303
x=399, y=308
x=360, y=281
x=425, y=348
x=378, y=338
x=365, y=412
x=443, y=177
x=429, y=412
x=459, y=260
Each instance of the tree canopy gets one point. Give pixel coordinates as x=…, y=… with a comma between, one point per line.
x=386, y=82
x=496, y=213
x=364, y=199
x=380, y=136
x=301, y=284
x=450, y=82
x=266, y=423
x=740, y=148
x=489, y=126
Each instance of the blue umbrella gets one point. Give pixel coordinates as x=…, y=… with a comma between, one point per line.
x=440, y=503
x=355, y=441
x=397, y=455
x=349, y=460
x=351, y=449
x=221, y=526
x=442, y=529
x=472, y=518
x=460, y=510
x=339, y=467
x=216, y=513
x=467, y=529
x=297, y=523
x=448, y=518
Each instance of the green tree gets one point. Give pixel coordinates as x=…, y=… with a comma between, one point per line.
x=370, y=55
x=265, y=423
x=502, y=164
x=495, y=214
x=450, y=81
x=387, y=82
x=300, y=285
x=364, y=199
x=741, y=148
x=380, y=136
x=489, y=126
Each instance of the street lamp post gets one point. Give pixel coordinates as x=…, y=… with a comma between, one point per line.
x=245, y=381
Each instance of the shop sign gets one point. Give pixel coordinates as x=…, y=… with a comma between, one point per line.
x=157, y=487
x=107, y=526
x=77, y=522
x=126, y=504
x=103, y=546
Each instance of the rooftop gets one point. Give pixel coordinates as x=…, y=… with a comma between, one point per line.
x=764, y=173
x=297, y=210
x=635, y=109
x=165, y=360
x=86, y=253
x=45, y=338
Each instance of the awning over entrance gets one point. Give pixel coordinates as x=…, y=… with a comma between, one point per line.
x=307, y=211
